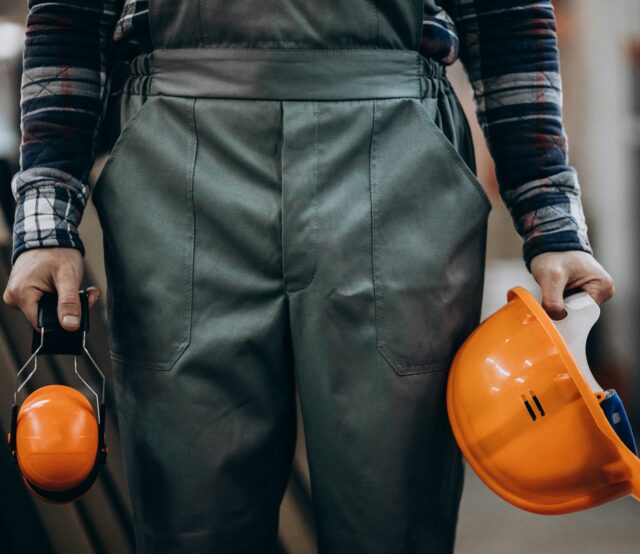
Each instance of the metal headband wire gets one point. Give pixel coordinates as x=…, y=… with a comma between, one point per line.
x=99, y=399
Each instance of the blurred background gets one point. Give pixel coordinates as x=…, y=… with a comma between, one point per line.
x=600, y=65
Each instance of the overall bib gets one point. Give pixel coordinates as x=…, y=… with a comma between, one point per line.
x=291, y=202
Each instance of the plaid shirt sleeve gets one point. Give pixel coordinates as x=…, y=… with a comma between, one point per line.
x=63, y=92
x=509, y=50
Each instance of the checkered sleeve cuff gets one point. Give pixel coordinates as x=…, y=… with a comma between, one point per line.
x=548, y=215
x=49, y=208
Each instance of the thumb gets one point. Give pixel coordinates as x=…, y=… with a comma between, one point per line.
x=552, y=285
x=69, y=308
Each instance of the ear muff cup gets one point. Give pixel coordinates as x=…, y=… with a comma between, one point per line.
x=57, y=443
x=61, y=497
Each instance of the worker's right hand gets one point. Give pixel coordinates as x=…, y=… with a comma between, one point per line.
x=570, y=269
x=41, y=270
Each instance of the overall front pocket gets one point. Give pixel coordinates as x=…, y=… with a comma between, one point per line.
x=145, y=207
x=429, y=236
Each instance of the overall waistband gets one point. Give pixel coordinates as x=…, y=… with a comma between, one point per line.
x=285, y=74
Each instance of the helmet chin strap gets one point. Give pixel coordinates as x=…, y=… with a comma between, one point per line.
x=582, y=312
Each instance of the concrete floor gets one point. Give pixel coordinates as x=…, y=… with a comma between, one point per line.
x=489, y=525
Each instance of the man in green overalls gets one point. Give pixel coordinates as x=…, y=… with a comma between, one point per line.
x=291, y=199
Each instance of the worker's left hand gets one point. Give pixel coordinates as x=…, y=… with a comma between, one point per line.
x=573, y=269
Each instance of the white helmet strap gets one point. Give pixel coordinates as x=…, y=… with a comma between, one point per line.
x=582, y=313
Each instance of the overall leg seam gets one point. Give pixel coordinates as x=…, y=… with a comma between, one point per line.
x=314, y=202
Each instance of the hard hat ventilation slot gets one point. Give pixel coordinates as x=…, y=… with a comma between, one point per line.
x=538, y=403
x=529, y=407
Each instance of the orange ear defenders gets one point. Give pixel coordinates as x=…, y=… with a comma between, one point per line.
x=529, y=416
x=56, y=438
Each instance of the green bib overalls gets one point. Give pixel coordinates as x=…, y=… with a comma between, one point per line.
x=291, y=200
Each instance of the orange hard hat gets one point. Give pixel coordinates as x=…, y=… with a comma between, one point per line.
x=57, y=443
x=529, y=416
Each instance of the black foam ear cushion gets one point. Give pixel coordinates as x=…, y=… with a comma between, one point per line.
x=69, y=495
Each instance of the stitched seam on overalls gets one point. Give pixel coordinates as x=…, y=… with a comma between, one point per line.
x=192, y=264
x=314, y=203
x=372, y=51
x=373, y=179
x=284, y=280
x=272, y=99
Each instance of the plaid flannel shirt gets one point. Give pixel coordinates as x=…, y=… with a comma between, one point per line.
x=507, y=47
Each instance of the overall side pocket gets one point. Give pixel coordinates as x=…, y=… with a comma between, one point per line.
x=429, y=235
x=129, y=121
x=451, y=151
x=146, y=213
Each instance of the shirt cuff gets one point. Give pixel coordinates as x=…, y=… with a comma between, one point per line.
x=48, y=211
x=552, y=242
x=548, y=215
